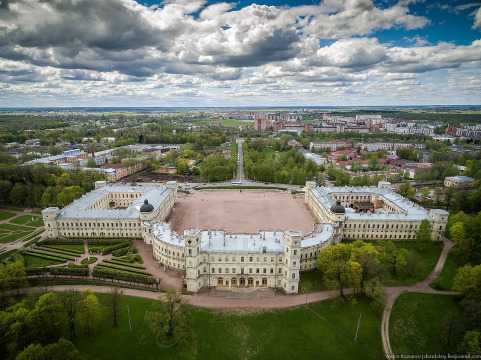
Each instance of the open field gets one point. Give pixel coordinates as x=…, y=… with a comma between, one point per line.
x=294, y=333
x=419, y=324
x=248, y=211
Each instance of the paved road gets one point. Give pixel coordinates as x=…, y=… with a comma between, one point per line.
x=240, y=166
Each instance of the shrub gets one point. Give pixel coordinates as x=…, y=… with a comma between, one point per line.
x=45, y=256
x=105, y=273
x=109, y=249
x=120, y=262
x=56, y=251
x=122, y=252
x=73, y=271
x=36, y=270
x=62, y=242
x=123, y=268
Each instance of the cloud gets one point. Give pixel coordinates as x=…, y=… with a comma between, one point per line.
x=360, y=17
x=477, y=19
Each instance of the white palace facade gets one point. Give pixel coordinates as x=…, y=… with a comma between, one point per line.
x=215, y=258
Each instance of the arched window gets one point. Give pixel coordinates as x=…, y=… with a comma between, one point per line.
x=220, y=282
x=264, y=282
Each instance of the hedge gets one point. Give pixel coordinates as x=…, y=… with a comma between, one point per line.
x=36, y=270
x=71, y=251
x=45, y=256
x=62, y=242
x=56, y=251
x=116, y=267
x=120, y=262
x=101, y=242
x=104, y=273
x=124, y=251
x=76, y=271
x=47, y=252
x=109, y=249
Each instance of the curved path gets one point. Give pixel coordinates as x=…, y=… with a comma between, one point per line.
x=392, y=293
x=284, y=301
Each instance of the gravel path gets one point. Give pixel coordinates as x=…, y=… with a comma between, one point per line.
x=392, y=293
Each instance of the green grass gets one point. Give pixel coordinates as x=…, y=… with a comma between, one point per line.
x=13, y=237
x=310, y=282
x=418, y=324
x=22, y=220
x=445, y=280
x=429, y=257
x=37, y=212
x=90, y=260
x=6, y=215
x=36, y=223
x=77, y=248
x=31, y=260
x=15, y=227
x=294, y=333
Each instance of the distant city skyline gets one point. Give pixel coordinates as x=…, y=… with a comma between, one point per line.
x=194, y=53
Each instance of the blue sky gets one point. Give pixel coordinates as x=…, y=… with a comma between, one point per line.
x=207, y=53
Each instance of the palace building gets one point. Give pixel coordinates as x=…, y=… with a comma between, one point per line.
x=215, y=258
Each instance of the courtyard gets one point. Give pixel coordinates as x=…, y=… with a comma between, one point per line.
x=246, y=211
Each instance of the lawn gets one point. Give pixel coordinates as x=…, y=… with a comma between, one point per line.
x=89, y=260
x=15, y=236
x=31, y=260
x=419, y=324
x=6, y=215
x=69, y=247
x=36, y=223
x=22, y=220
x=310, y=282
x=294, y=333
x=445, y=280
x=14, y=227
x=429, y=257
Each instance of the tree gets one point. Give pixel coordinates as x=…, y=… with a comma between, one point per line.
x=413, y=264
x=181, y=166
x=337, y=268
x=91, y=163
x=468, y=282
x=448, y=196
x=391, y=255
x=170, y=317
x=367, y=256
x=464, y=244
x=64, y=349
x=89, y=310
x=114, y=297
x=448, y=326
x=471, y=343
x=49, y=309
x=69, y=300
x=438, y=193
x=133, y=179
x=423, y=235
x=375, y=292
x=425, y=192
x=406, y=190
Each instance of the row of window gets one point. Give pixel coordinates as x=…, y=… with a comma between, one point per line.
x=251, y=270
x=381, y=226
x=129, y=224
x=242, y=258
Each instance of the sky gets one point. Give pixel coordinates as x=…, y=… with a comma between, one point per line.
x=61, y=53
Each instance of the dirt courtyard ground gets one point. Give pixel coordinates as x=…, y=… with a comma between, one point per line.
x=247, y=212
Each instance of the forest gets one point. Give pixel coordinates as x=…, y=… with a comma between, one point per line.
x=41, y=185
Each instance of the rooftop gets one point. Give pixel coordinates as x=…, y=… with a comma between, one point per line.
x=156, y=195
